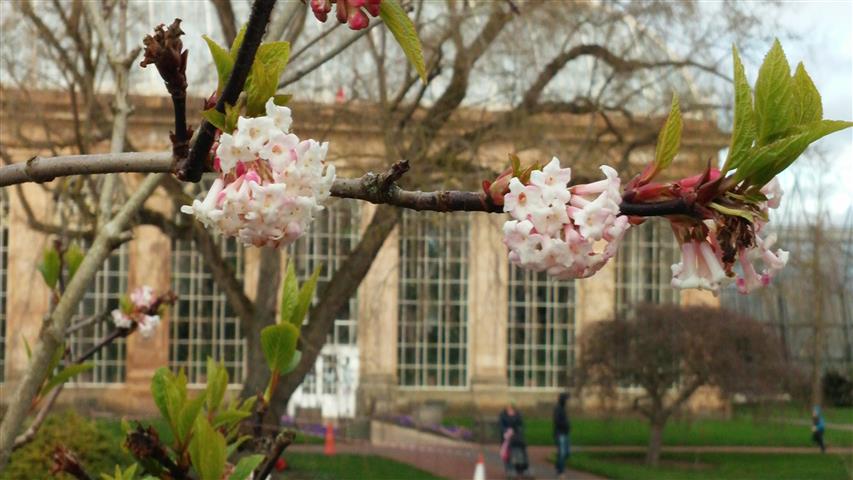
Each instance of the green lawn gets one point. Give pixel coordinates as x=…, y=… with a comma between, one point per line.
x=716, y=466
x=306, y=466
x=741, y=430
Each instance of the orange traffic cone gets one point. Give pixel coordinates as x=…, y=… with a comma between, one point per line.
x=329, y=447
x=480, y=469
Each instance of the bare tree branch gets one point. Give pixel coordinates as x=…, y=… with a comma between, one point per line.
x=52, y=333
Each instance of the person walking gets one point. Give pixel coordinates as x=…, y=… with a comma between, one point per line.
x=513, y=446
x=818, y=427
x=562, y=429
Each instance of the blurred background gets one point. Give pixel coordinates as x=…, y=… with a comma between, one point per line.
x=442, y=333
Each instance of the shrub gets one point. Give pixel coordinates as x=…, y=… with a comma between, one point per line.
x=837, y=389
x=98, y=451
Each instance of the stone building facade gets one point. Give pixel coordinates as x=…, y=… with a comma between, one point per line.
x=441, y=315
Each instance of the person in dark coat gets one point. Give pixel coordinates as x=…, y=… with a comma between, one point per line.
x=514, y=448
x=562, y=428
x=818, y=427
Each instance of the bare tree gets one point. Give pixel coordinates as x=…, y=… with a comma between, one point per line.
x=670, y=352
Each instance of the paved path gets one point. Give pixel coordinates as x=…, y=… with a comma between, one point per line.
x=451, y=463
x=543, y=451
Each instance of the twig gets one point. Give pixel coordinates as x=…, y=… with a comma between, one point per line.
x=144, y=444
x=64, y=461
x=39, y=169
x=331, y=54
x=166, y=51
x=52, y=333
x=282, y=441
x=191, y=168
x=31, y=431
x=370, y=187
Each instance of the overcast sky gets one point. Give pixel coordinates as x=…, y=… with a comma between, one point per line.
x=825, y=46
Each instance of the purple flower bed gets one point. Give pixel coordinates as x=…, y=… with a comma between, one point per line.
x=310, y=429
x=450, y=431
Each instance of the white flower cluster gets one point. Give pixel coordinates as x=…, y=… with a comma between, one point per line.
x=141, y=301
x=557, y=228
x=702, y=265
x=271, y=183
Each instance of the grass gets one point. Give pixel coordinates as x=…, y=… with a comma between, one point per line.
x=716, y=466
x=741, y=430
x=305, y=466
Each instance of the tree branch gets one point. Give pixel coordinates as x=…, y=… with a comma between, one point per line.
x=52, y=333
x=370, y=187
x=282, y=441
x=191, y=168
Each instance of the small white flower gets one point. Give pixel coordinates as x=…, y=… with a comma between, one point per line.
x=281, y=116
x=120, y=319
x=253, y=133
x=148, y=325
x=230, y=154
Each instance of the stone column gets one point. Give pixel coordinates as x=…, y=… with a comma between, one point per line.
x=150, y=259
x=488, y=274
x=27, y=297
x=377, y=325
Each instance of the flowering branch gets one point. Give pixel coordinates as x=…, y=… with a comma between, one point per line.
x=371, y=187
x=191, y=168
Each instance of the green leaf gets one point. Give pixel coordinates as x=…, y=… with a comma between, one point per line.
x=260, y=87
x=294, y=362
x=50, y=266
x=768, y=161
x=56, y=358
x=207, y=450
x=188, y=415
x=66, y=374
x=238, y=42
x=774, y=101
x=233, y=446
x=217, y=383
x=404, y=31
x=669, y=138
x=282, y=99
x=215, y=117
x=515, y=162
x=228, y=418
x=130, y=472
x=124, y=303
x=289, y=294
x=278, y=343
x=223, y=61
x=27, y=348
x=73, y=257
x=245, y=467
x=743, y=132
x=306, y=294
x=808, y=106
x=232, y=114
x=274, y=56
x=168, y=396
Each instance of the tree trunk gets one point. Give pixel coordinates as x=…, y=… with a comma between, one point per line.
x=342, y=286
x=655, y=442
x=269, y=277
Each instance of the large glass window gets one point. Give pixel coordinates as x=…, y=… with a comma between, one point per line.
x=328, y=242
x=101, y=298
x=203, y=323
x=540, y=332
x=644, y=266
x=433, y=301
